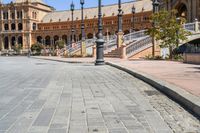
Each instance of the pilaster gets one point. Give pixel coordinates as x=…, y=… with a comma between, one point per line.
x=120, y=39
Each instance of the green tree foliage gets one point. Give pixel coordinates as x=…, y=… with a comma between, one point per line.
x=60, y=44
x=37, y=48
x=17, y=47
x=167, y=29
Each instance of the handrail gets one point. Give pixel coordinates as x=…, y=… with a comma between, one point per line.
x=189, y=26
x=138, y=45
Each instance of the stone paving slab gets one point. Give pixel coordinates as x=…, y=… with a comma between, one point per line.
x=50, y=97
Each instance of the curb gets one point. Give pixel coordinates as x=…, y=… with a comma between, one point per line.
x=63, y=61
x=184, y=98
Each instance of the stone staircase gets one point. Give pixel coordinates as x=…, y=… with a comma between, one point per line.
x=115, y=53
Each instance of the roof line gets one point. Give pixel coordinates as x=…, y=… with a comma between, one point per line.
x=102, y=6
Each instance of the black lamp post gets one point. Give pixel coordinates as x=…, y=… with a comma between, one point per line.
x=82, y=2
x=155, y=10
x=142, y=19
x=120, y=14
x=100, y=41
x=72, y=27
x=133, y=21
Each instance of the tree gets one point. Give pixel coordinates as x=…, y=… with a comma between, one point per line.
x=37, y=48
x=17, y=48
x=60, y=44
x=167, y=29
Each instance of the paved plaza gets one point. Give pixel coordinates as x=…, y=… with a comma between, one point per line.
x=40, y=96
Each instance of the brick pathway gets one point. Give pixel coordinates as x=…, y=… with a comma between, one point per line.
x=186, y=76
x=38, y=96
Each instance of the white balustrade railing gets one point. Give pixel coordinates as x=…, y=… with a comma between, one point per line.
x=135, y=35
x=139, y=45
x=189, y=26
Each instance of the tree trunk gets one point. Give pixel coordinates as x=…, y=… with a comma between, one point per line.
x=170, y=52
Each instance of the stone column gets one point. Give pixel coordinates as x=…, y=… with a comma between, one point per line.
x=120, y=39
x=83, y=48
x=94, y=51
x=15, y=14
x=30, y=40
x=196, y=25
x=123, y=51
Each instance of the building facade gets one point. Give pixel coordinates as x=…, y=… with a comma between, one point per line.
x=189, y=9
x=27, y=22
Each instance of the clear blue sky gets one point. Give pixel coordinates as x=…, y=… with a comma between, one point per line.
x=65, y=4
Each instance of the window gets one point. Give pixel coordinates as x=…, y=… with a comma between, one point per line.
x=34, y=26
x=20, y=26
x=6, y=27
x=13, y=26
x=5, y=15
x=13, y=15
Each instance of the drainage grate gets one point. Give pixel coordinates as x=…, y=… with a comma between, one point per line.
x=152, y=93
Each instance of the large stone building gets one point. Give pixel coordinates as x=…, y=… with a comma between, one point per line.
x=189, y=9
x=29, y=21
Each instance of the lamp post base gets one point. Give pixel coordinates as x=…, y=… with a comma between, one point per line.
x=99, y=62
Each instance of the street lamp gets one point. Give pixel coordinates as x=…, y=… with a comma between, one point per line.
x=120, y=16
x=72, y=27
x=83, y=48
x=120, y=30
x=82, y=2
x=155, y=10
x=133, y=21
x=100, y=41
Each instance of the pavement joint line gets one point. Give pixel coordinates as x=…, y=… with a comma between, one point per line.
x=184, y=98
x=64, y=61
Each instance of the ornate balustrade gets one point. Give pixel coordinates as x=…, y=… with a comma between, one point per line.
x=134, y=35
x=139, y=45
x=189, y=26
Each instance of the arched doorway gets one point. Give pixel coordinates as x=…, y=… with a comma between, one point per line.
x=6, y=42
x=182, y=11
x=13, y=41
x=39, y=39
x=47, y=40
x=55, y=38
x=20, y=40
x=64, y=38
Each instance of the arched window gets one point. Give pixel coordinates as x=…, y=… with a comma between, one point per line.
x=13, y=27
x=13, y=15
x=6, y=27
x=39, y=39
x=35, y=15
x=34, y=26
x=20, y=26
